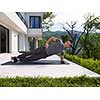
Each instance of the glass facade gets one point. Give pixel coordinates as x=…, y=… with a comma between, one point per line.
x=4, y=40
x=35, y=22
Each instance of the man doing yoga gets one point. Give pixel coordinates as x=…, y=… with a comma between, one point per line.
x=56, y=46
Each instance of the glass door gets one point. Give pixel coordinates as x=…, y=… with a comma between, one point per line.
x=4, y=40
x=0, y=41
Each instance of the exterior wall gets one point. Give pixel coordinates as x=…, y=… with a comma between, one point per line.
x=13, y=43
x=31, y=32
x=18, y=42
x=16, y=28
x=21, y=42
x=36, y=43
x=37, y=33
x=32, y=14
x=11, y=20
x=27, y=46
x=18, y=32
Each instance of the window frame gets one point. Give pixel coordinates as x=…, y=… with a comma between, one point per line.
x=34, y=22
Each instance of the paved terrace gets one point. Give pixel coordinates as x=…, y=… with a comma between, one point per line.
x=50, y=67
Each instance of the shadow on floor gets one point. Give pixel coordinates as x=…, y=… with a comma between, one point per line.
x=39, y=62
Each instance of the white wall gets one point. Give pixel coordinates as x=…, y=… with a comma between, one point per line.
x=22, y=42
x=13, y=41
x=16, y=44
x=37, y=33
x=27, y=45
x=16, y=27
x=13, y=21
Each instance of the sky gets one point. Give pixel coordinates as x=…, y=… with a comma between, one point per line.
x=63, y=17
x=74, y=10
x=65, y=10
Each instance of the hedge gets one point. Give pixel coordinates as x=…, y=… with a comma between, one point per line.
x=91, y=64
x=81, y=81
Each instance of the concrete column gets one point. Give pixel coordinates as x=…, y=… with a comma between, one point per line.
x=35, y=43
x=27, y=45
x=22, y=42
x=13, y=41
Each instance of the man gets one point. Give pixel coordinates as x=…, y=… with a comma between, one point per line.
x=56, y=46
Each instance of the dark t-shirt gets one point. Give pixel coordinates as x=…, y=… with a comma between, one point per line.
x=55, y=48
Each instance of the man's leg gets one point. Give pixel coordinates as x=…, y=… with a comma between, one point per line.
x=30, y=53
x=20, y=57
x=35, y=54
x=26, y=55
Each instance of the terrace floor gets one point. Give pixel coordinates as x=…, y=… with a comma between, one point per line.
x=49, y=67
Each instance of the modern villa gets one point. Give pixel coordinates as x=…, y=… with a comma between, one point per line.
x=18, y=30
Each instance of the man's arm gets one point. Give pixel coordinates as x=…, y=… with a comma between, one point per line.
x=62, y=59
x=51, y=39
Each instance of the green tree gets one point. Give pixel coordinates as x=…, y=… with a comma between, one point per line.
x=46, y=24
x=93, y=45
x=70, y=29
x=47, y=20
x=91, y=25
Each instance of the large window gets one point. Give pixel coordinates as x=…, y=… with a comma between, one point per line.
x=35, y=22
x=4, y=40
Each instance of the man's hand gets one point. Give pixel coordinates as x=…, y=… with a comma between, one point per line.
x=51, y=39
x=46, y=45
x=62, y=62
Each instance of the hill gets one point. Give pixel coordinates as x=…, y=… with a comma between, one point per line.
x=58, y=34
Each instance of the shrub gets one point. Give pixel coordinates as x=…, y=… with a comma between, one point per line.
x=41, y=42
x=91, y=47
x=81, y=81
x=91, y=64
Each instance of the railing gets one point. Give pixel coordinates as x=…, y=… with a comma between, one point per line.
x=22, y=18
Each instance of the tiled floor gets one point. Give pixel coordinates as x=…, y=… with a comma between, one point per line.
x=50, y=67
